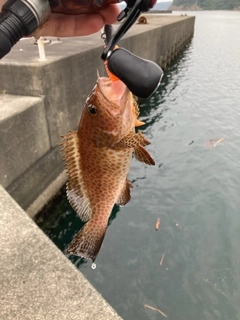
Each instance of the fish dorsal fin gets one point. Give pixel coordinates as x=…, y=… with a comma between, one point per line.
x=136, y=112
x=125, y=195
x=138, y=123
x=76, y=192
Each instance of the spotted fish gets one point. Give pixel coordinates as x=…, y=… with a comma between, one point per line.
x=97, y=159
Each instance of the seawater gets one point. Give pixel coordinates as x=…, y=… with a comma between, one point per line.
x=194, y=189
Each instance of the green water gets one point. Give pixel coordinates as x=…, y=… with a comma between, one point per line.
x=194, y=188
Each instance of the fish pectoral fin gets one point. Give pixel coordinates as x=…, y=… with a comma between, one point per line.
x=143, y=155
x=132, y=140
x=76, y=193
x=125, y=195
x=137, y=141
x=88, y=240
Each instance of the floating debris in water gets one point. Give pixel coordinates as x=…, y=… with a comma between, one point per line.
x=93, y=266
x=214, y=286
x=155, y=309
x=212, y=143
x=180, y=227
x=161, y=261
x=157, y=224
x=217, y=142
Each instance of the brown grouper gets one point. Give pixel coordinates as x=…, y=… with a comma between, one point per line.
x=98, y=158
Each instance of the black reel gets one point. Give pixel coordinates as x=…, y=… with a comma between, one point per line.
x=142, y=77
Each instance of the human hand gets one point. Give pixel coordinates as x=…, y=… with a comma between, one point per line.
x=61, y=25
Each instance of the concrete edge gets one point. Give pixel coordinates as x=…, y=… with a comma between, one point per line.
x=47, y=195
x=37, y=281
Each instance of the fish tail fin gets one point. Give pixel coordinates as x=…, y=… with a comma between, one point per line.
x=88, y=240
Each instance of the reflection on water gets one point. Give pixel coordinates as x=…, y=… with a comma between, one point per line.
x=193, y=188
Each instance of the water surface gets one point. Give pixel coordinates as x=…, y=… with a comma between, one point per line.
x=194, y=189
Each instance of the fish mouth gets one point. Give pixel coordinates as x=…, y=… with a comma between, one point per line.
x=116, y=92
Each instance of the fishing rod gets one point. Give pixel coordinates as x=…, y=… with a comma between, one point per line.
x=20, y=18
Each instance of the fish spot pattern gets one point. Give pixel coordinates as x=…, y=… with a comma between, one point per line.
x=98, y=158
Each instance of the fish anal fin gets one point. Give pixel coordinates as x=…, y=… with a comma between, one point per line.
x=125, y=195
x=78, y=200
x=76, y=193
x=143, y=155
x=88, y=240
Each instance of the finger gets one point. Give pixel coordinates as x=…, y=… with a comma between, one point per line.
x=61, y=25
x=110, y=14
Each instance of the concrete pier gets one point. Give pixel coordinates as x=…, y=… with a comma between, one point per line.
x=37, y=281
x=39, y=101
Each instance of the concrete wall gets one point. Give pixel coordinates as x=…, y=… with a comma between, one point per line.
x=41, y=100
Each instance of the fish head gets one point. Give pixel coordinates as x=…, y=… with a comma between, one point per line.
x=108, y=111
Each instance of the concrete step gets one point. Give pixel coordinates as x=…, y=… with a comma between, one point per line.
x=24, y=135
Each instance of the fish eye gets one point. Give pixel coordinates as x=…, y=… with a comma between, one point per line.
x=92, y=110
